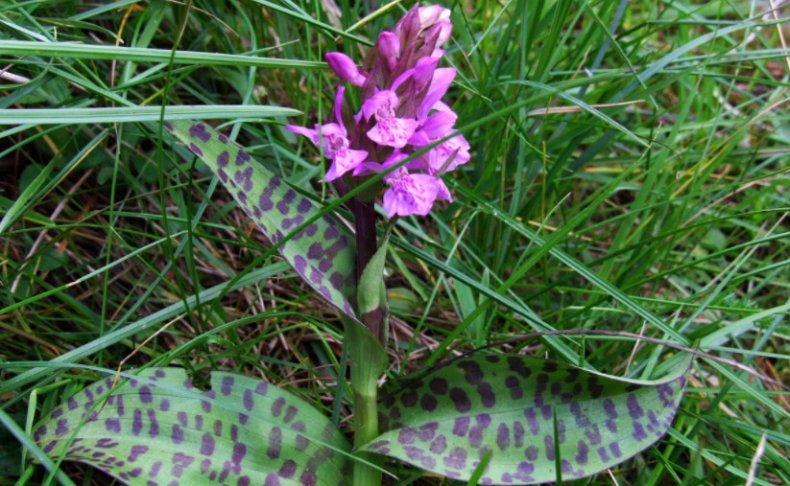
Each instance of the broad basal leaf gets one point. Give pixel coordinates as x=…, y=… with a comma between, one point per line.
x=322, y=254
x=158, y=429
x=449, y=419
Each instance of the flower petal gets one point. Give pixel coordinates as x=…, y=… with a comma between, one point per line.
x=382, y=99
x=409, y=193
x=312, y=134
x=341, y=91
x=442, y=78
x=440, y=124
x=344, y=161
x=394, y=132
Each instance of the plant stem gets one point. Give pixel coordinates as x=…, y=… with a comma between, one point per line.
x=365, y=225
x=363, y=377
x=366, y=429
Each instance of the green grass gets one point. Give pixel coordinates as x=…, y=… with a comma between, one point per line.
x=629, y=175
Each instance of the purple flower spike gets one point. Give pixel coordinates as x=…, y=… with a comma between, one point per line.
x=345, y=67
x=401, y=89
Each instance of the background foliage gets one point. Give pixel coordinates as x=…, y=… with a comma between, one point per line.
x=629, y=175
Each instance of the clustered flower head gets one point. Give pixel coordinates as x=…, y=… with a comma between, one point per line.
x=401, y=87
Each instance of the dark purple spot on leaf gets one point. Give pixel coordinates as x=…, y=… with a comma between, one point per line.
x=532, y=420
x=428, y=402
x=524, y=471
x=198, y=131
x=242, y=157
x=153, y=431
x=548, y=443
x=486, y=395
x=277, y=406
x=581, y=453
x=603, y=454
x=196, y=150
x=438, y=386
x=634, y=410
x=517, y=365
x=639, y=432
x=406, y=435
x=456, y=459
x=275, y=440
x=460, y=400
x=461, y=426
x=137, y=421
x=409, y=398
x=503, y=436
x=438, y=445
x=177, y=434
x=137, y=451
x=207, y=444
x=288, y=469
x=472, y=371
x=247, y=399
x=615, y=448
x=227, y=385
x=290, y=413
x=222, y=159
x=113, y=425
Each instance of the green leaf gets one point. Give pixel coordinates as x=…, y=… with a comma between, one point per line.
x=448, y=420
x=322, y=253
x=157, y=427
x=144, y=54
x=125, y=114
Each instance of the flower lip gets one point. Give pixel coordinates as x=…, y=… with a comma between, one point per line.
x=389, y=130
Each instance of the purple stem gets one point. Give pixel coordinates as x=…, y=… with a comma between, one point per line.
x=365, y=225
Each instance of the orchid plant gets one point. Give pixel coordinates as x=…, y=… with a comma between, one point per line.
x=489, y=418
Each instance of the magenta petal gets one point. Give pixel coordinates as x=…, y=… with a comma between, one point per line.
x=443, y=194
x=341, y=91
x=394, y=132
x=345, y=67
x=424, y=71
x=344, y=161
x=432, y=14
x=307, y=132
x=420, y=139
x=386, y=99
x=402, y=78
x=442, y=78
x=440, y=124
x=442, y=30
x=409, y=194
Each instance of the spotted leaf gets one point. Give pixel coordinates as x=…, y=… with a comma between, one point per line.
x=507, y=406
x=156, y=428
x=322, y=253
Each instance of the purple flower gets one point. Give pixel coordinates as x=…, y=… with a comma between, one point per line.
x=446, y=156
x=401, y=112
x=389, y=130
x=335, y=142
x=412, y=193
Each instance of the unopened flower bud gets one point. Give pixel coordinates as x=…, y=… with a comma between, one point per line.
x=389, y=48
x=345, y=67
